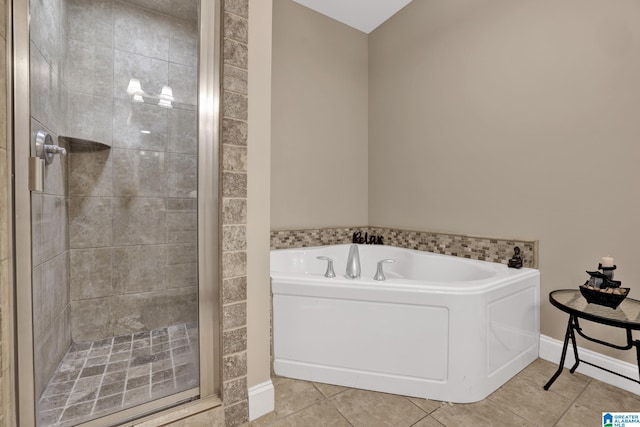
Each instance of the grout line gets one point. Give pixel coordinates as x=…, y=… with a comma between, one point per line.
x=95, y=399
x=431, y=418
x=328, y=400
x=573, y=402
x=75, y=383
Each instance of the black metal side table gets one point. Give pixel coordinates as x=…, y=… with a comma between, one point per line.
x=626, y=316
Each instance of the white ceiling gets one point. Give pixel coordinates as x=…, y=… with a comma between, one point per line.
x=364, y=15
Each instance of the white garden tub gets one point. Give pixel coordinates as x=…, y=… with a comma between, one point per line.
x=440, y=327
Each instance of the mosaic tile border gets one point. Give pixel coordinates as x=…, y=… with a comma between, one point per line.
x=491, y=249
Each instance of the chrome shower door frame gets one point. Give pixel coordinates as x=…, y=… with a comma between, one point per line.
x=208, y=219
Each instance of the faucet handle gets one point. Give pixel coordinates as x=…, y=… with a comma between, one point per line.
x=329, y=273
x=379, y=273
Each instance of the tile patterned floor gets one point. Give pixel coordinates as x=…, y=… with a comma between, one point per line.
x=101, y=377
x=574, y=400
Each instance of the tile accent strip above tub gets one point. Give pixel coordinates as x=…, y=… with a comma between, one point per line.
x=473, y=247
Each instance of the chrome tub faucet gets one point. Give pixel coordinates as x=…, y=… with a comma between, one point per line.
x=379, y=273
x=329, y=273
x=353, y=263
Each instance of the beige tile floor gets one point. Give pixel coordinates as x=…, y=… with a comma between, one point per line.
x=573, y=400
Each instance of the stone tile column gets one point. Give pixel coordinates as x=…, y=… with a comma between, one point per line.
x=234, y=210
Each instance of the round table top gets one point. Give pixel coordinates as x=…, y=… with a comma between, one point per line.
x=627, y=315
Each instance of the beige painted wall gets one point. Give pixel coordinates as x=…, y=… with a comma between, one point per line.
x=258, y=194
x=319, y=120
x=514, y=119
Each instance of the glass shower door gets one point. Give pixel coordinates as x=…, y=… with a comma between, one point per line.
x=114, y=229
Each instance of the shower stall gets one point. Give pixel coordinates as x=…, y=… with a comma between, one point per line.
x=118, y=99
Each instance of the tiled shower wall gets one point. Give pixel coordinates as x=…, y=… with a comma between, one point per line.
x=132, y=208
x=50, y=243
x=472, y=247
x=234, y=210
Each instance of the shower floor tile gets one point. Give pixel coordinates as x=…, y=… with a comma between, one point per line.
x=102, y=377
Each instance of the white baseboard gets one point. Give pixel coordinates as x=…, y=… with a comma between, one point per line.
x=551, y=350
x=261, y=400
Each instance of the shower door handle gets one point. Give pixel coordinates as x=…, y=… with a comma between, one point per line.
x=46, y=148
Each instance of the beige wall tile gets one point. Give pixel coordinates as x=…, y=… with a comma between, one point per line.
x=138, y=173
x=234, y=391
x=234, y=366
x=181, y=275
x=234, y=341
x=51, y=347
x=140, y=31
x=55, y=235
x=182, y=131
x=237, y=7
x=92, y=24
x=151, y=310
x=153, y=74
x=45, y=91
x=187, y=10
x=55, y=288
x=185, y=253
x=234, y=315
x=236, y=27
x=234, y=290
x=234, y=158
x=138, y=220
x=235, y=79
x=235, y=106
x=234, y=184
x=91, y=319
x=236, y=414
x=235, y=53
x=90, y=222
x=234, y=211
x=234, y=238
x=183, y=80
x=181, y=174
x=90, y=68
x=90, y=173
x=89, y=117
x=138, y=268
x=183, y=47
x=234, y=264
x=91, y=273
x=234, y=131
x=56, y=174
x=129, y=119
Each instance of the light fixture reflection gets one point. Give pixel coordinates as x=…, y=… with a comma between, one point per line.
x=134, y=88
x=167, y=93
x=165, y=98
x=165, y=103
